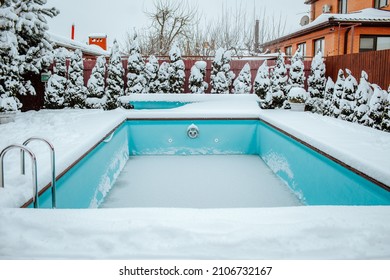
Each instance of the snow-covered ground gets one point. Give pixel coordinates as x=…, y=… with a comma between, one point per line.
x=322, y=232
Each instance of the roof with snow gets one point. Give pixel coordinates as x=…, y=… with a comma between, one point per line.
x=97, y=35
x=93, y=50
x=365, y=16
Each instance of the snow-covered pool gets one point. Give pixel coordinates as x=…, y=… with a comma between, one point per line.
x=143, y=105
x=315, y=178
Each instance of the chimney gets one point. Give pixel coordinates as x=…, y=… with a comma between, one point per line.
x=257, y=31
x=72, y=33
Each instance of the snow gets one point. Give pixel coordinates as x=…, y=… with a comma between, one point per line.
x=321, y=232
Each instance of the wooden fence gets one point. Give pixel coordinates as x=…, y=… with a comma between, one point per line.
x=375, y=63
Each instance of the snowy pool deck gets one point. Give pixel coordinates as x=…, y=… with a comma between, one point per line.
x=254, y=233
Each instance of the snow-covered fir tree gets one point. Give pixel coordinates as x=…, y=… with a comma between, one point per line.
x=377, y=107
x=386, y=113
x=362, y=97
x=114, y=82
x=96, y=97
x=9, y=60
x=76, y=92
x=163, y=78
x=278, y=96
x=338, y=93
x=316, y=84
x=196, y=80
x=347, y=102
x=297, y=74
x=243, y=83
x=151, y=74
x=136, y=80
x=177, y=74
x=221, y=76
x=328, y=96
x=56, y=85
x=262, y=82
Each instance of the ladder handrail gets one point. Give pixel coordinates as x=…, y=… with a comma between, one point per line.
x=34, y=169
x=53, y=168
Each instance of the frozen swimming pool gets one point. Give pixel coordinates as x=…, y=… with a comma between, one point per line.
x=315, y=177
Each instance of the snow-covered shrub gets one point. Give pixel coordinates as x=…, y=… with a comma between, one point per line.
x=362, y=97
x=243, y=83
x=76, y=92
x=177, y=74
x=297, y=74
x=278, y=84
x=347, y=102
x=297, y=95
x=114, y=82
x=328, y=96
x=262, y=82
x=151, y=74
x=316, y=84
x=96, y=97
x=136, y=81
x=56, y=85
x=377, y=107
x=386, y=113
x=338, y=93
x=196, y=80
x=221, y=76
x=163, y=78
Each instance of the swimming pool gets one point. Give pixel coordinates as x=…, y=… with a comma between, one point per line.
x=142, y=105
x=316, y=178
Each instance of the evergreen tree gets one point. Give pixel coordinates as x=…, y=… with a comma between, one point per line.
x=196, y=80
x=177, y=74
x=338, y=93
x=114, y=82
x=221, y=76
x=163, y=78
x=9, y=60
x=151, y=74
x=327, y=105
x=243, y=83
x=316, y=84
x=386, y=113
x=96, y=97
x=262, y=83
x=362, y=97
x=377, y=107
x=347, y=102
x=136, y=81
x=279, y=78
x=56, y=85
x=76, y=92
x=297, y=74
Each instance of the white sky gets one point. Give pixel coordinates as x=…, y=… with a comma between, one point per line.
x=116, y=17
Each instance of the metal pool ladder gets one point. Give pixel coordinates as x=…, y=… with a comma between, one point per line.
x=23, y=149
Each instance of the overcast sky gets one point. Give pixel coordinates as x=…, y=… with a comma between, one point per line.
x=117, y=17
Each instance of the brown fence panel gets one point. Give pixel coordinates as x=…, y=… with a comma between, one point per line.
x=375, y=63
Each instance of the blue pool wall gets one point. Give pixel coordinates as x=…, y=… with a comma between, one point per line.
x=315, y=178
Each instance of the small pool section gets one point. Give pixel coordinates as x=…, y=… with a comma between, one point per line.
x=313, y=177
x=150, y=105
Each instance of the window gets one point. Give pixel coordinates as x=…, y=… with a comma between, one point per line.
x=288, y=51
x=343, y=7
x=319, y=45
x=303, y=48
x=374, y=43
x=381, y=3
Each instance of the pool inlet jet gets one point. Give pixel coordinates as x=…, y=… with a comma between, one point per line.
x=192, y=131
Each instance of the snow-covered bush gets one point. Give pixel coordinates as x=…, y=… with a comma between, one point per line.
x=278, y=84
x=297, y=95
x=151, y=74
x=221, y=76
x=347, y=102
x=362, y=97
x=338, y=93
x=377, y=107
x=96, y=97
x=136, y=81
x=243, y=83
x=316, y=84
x=297, y=74
x=114, y=82
x=386, y=113
x=56, y=85
x=177, y=74
x=196, y=80
x=163, y=78
x=262, y=82
x=76, y=92
x=328, y=96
